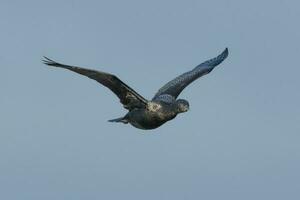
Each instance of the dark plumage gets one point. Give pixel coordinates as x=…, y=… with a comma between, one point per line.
x=163, y=107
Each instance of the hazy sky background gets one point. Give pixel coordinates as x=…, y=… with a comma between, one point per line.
x=240, y=140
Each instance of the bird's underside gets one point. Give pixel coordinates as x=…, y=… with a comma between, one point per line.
x=142, y=113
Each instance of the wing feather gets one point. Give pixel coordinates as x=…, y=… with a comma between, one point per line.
x=128, y=97
x=175, y=86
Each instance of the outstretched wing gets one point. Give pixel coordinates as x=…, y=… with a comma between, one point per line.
x=128, y=97
x=175, y=86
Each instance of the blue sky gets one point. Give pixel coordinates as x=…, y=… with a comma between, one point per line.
x=240, y=139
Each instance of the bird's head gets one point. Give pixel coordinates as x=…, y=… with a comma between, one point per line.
x=182, y=105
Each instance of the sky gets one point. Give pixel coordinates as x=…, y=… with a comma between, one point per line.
x=240, y=139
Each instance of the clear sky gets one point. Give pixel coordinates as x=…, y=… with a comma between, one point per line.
x=240, y=139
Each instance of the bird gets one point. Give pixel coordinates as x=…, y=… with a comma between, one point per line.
x=142, y=113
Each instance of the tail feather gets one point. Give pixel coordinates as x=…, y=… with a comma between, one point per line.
x=121, y=119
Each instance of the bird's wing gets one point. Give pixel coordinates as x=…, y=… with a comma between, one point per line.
x=128, y=97
x=175, y=86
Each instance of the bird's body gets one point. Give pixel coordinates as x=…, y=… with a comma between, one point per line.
x=153, y=116
x=144, y=114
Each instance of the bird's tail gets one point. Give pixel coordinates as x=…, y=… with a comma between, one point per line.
x=121, y=119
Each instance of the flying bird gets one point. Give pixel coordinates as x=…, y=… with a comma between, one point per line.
x=143, y=113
